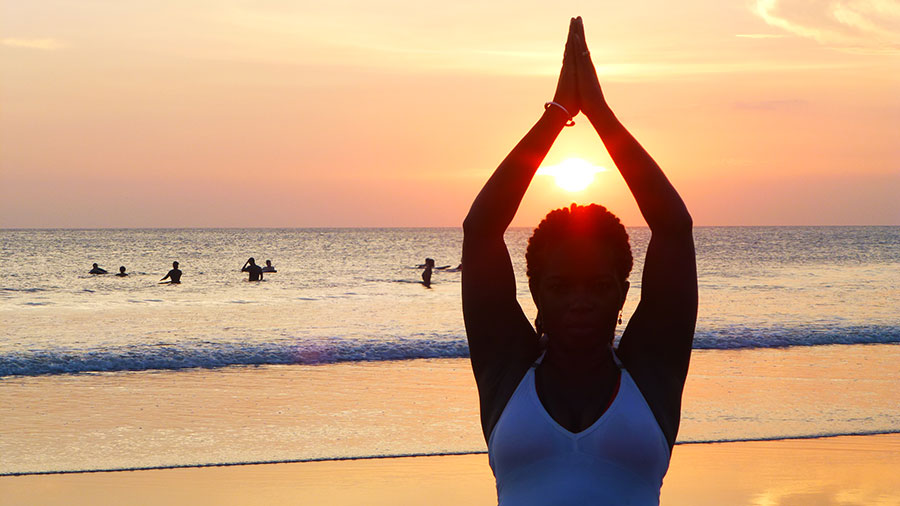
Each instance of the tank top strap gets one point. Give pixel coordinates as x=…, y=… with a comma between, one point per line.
x=616, y=358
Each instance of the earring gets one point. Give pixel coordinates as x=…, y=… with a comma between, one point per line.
x=620, y=317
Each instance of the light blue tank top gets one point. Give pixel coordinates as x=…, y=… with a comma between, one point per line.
x=619, y=460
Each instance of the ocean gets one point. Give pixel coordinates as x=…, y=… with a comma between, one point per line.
x=344, y=354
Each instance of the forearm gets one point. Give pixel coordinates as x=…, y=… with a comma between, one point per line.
x=496, y=204
x=657, y=199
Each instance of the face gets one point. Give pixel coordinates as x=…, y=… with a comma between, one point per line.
x=579, y=294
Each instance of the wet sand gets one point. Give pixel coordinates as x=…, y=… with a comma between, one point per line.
x=845, y=470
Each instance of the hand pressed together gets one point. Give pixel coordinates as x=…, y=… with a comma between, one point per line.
x=578, y=89
x=567, y=88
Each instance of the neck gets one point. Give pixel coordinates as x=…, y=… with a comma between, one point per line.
x=579, y=362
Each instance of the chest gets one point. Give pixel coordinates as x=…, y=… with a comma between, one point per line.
x=625, y=436
x=576, y=405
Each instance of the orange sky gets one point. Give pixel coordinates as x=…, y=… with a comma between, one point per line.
x=356, y=113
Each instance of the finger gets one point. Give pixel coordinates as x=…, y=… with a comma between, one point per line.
x=585, y=64
x=573, y=35
x=580, y=50
x=579, y=31
x=571, y=59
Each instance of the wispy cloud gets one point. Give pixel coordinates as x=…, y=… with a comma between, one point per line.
x=760, y=36
x=44, y=44
x=859, y=26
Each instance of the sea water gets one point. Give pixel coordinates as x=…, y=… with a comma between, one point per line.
x=343, y=353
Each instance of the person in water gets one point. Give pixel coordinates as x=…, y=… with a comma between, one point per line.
x=573, y=421
x=426, y=274
x=256, y=272
x=121, y=272
x=97, y=270
x=269, y=267
x=458, y=268
x=174, y=275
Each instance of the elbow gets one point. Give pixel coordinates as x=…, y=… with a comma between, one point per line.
x=686, y=223
x=467, y=223
x=473, y=226
x=680, y=221
x=683, y=225
x=476, y=230
x=677, y=223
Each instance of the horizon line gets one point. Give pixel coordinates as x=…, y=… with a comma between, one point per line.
x=411, y=227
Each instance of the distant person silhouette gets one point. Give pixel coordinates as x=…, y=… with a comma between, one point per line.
x=122, y=272
x=269, y=267
x=97, y=270
x=174, y=275
x=426, y=274
x=256, y=272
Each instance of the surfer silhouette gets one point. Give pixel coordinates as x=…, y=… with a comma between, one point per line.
x=97, y=270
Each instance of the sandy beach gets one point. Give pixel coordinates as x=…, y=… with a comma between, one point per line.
x=846, y=470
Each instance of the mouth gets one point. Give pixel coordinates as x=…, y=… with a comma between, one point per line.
x=581, y=327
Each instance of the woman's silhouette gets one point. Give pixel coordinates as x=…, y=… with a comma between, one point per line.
x=567, y=419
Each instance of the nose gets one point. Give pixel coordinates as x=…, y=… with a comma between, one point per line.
x=580, y=299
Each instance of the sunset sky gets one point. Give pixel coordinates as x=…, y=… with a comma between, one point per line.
x=357, y=113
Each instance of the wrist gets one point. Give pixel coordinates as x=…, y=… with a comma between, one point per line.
x=557, y=111
x=598, y=109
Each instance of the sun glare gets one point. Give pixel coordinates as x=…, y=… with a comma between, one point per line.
x=572, y=174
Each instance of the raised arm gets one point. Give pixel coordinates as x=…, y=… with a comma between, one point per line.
x=660, y=204
x=656, y=345
x=502, y=342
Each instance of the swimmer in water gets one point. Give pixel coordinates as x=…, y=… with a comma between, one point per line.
x=269, y=267
x=122, y=272
x=174, y=274
x=97, y=270
x=426, y=275
x=256, y=272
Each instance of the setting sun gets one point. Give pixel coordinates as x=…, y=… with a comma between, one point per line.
x=572, y=174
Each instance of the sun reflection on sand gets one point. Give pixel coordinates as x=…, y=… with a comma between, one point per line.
x=846, y=470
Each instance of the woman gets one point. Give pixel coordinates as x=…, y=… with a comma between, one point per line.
x=579, y=423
